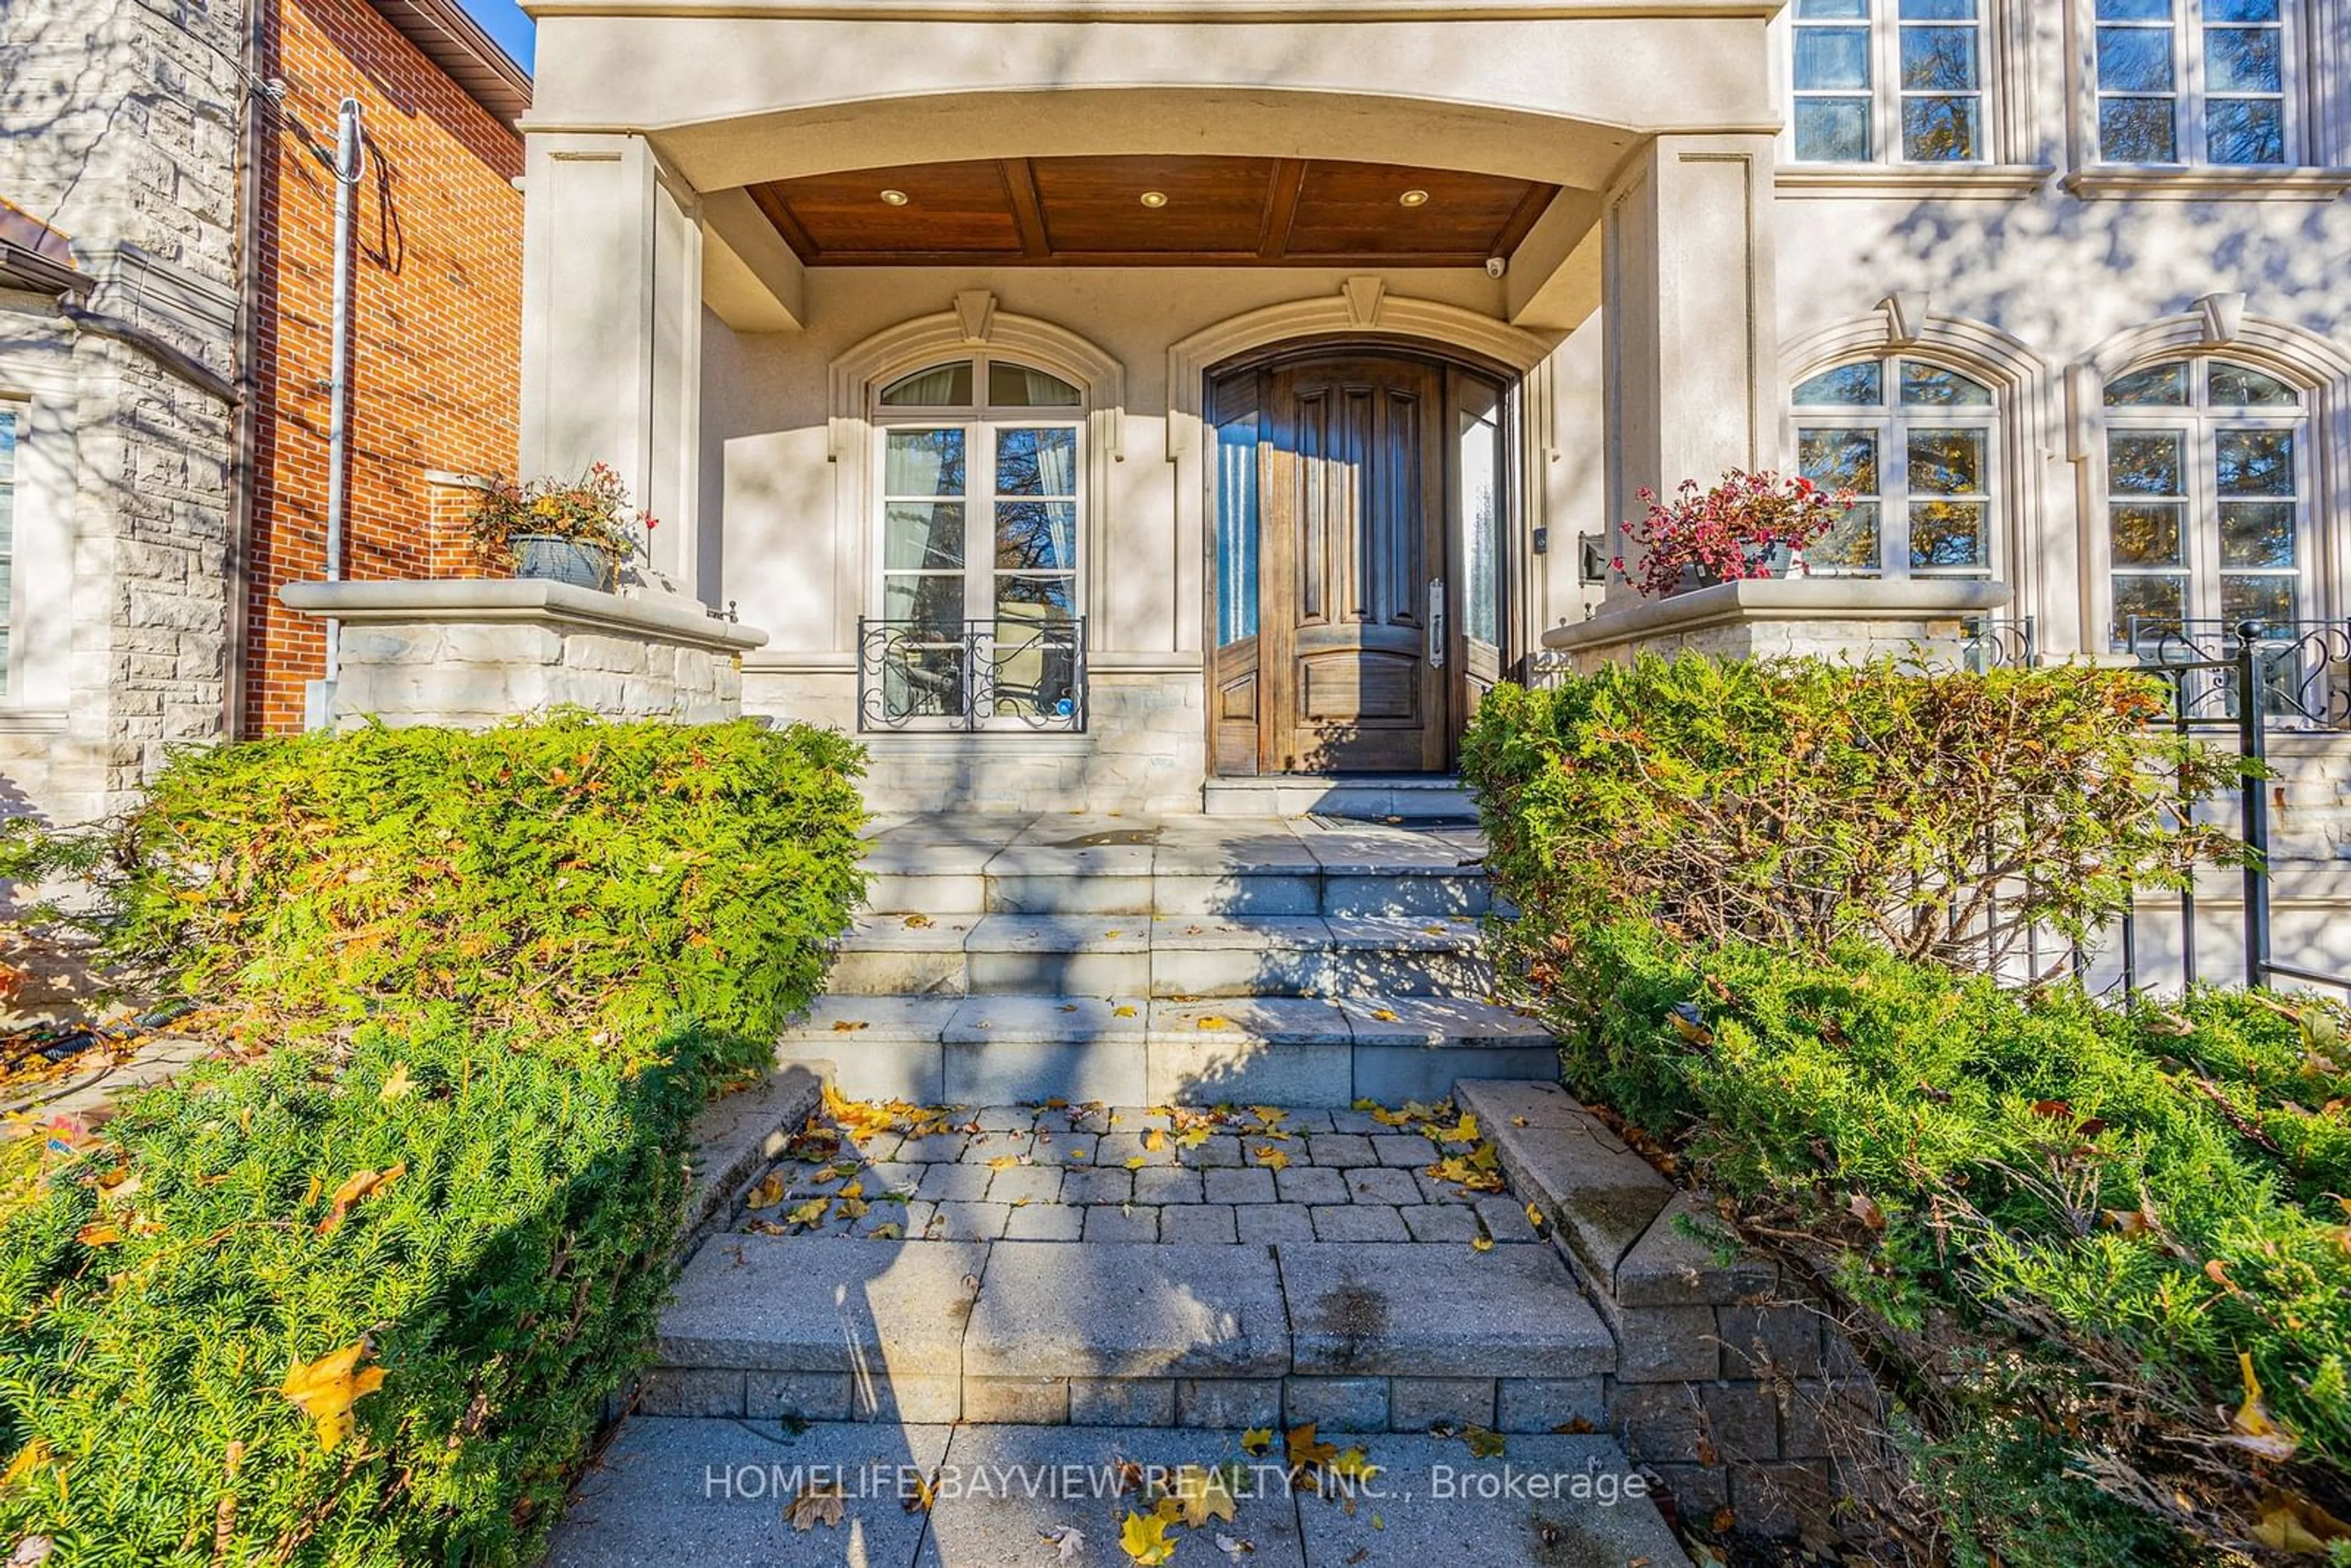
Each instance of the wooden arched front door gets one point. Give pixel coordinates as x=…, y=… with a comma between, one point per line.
x=1352, y=533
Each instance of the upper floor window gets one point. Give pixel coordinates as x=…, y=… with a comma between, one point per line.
x=2192, y=81
x=10, y=425
x=1889, y=81
x=978, y=527
x=2205, y=498
x=1912, y=441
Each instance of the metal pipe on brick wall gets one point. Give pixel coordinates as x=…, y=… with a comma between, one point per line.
x=351, y=159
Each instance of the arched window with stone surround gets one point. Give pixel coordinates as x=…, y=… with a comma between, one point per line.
x=979, y=526
x=1918, y=444
x=2208, y=487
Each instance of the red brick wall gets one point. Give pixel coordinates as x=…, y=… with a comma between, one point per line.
x=436, y=327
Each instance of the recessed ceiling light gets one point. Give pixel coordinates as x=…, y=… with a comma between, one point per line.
x=1413, y=198
x=894, y=198
x=1155, y=198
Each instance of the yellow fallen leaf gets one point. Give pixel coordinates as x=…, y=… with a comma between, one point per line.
x=889, y=1233
x=1305, y=1450
x=327, y=1387
x=1123, y=1010
x=918, y=922
x=361, y=1184
x=1135, y=1162
x=1353, y=1465
x=851, y=1208
x=2288, y=1523
x=397, y=1084
x=1210, y=1020
x=1003, y=1161
x=1384, y=1015
x=1192, y=1138
x=1203, y=1496
x=1155, y=1140
x=847, y=1026
x=1484, y=1443
x=767, y=1194
x=1144, y=1539
x=1271, y=1158
x=1535, y=1218
x=1481, y=1243
x=1258, y=1441
x=809, y=1213
x=2253, y=1427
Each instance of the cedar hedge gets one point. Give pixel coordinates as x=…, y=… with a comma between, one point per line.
x=484, y=982
x=2072, y=1237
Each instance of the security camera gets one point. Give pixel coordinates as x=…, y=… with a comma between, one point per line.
x=1495, y=266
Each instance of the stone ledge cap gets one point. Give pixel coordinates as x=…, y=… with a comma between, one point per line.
x=1785, y=598
x=516, y=600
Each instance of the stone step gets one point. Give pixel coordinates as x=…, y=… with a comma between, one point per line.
x=711, y=1492
x=1355, y=1337
x=1159, y=955
x=1107, y=866
x=1373, y=797
x=1313, y=1051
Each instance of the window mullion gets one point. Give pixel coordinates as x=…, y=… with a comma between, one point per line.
x=1885, y=35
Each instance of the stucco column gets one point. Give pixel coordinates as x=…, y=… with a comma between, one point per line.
x=1689, y=303
x=611, y=342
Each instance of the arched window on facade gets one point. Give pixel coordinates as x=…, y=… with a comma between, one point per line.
x=1916, y=443
x=980, y=469
x=1890, y=81
x=2196, y=81
x=2208, y=485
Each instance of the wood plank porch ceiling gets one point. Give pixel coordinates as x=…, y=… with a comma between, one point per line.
x=1089, y=212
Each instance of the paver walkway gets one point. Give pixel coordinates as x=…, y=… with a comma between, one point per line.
x=1135, y=1174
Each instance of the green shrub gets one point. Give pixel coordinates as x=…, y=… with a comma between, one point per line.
x=514, y=964
x=1798, y=802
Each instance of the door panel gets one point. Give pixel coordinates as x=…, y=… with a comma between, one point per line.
x=1353, y=511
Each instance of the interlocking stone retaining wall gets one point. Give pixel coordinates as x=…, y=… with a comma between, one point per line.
x=472, y=653
x=1730, y=1385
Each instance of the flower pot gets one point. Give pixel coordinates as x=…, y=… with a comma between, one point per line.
x=550, y=557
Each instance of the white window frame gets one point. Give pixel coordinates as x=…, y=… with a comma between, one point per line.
x=2200, y=423
x=1887, y=93
x=2190, y=96
x=981, y=420
x=1892, y=422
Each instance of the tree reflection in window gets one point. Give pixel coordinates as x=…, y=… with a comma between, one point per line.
x=1914, y=442
x=2204, y=498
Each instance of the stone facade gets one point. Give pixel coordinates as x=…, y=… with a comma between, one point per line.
x=122, y=119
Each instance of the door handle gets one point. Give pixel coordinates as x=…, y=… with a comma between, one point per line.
x=1437, y=623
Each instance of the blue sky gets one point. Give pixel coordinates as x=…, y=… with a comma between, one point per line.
x=504, y=20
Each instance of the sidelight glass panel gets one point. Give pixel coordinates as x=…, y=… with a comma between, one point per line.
x=1482, y=528
x=1236, y=530
x=8, y=430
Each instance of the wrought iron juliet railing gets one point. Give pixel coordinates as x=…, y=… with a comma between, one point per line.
x=2303, y=667
x=972, y=674
x=1997, y=642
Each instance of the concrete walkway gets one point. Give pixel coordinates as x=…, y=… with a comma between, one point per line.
x=713, y=1492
